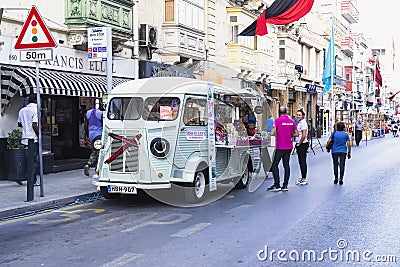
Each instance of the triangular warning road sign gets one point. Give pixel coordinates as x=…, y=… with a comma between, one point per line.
x=35, y=33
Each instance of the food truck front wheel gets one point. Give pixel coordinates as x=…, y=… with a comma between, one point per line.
x=195, y=191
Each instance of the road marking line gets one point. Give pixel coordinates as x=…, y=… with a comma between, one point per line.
x=41, y=214
x=230, y=196
x=113, y=219
x=123, y=260
x=191, y=230
x=238, y=208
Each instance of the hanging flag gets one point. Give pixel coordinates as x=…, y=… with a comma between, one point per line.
x=327, y=76
x=393, y=52
x=392, y=97
x=281, y=12
x=378, y=76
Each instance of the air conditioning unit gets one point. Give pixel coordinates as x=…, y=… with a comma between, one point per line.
x=147, y=35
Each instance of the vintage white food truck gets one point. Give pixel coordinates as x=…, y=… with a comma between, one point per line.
x=160, y=132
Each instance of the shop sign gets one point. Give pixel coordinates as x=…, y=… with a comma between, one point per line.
x=149, y=69
x=67, y=59
x=196, y=135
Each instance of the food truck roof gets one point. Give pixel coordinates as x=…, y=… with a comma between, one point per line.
x=176, y=85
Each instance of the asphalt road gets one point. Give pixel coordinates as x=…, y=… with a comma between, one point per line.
x=320, y=224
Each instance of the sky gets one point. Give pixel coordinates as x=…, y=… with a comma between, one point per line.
x=379, y=20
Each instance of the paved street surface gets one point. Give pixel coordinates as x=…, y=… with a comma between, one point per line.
x=320, y=224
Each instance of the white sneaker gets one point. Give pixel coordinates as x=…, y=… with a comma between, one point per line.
x=301, y=181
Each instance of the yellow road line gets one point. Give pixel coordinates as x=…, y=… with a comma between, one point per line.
x=42, y=214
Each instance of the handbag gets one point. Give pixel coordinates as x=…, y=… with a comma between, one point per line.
x=330, y=144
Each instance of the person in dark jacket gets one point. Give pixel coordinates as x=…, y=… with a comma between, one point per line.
x=341, y=148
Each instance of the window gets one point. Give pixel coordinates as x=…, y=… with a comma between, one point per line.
x=169, y=10
x=282, y=55
x=195, y=112
x=161, y=108
x=125, y=108
x=233, y=18
x=281, y=42
x=234, y=34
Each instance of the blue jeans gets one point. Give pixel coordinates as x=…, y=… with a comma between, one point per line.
x=339, y=161
x=285, y=156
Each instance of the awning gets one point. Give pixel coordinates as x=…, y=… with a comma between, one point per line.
x=23, y=81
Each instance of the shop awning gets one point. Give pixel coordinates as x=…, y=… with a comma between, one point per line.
x=23, y=81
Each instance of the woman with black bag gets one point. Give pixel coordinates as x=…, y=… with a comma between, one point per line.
x=341, y=147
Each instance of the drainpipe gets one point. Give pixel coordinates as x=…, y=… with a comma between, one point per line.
x=135, y=32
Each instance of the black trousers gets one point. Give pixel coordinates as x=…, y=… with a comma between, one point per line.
x=285, y=156
x=302, y=157
x=358, y=136
x=339, y=162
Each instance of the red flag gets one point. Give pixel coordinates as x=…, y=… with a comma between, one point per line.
x=392, y=97
x=393, y=52
x=280, y=12
x=378, y=76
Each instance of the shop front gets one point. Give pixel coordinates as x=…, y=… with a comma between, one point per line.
x=69, y=86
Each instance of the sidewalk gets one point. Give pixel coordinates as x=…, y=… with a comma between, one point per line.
x=59, y=189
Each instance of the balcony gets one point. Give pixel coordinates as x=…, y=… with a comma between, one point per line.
x=350, y=11
x=184, y=41
x=79, y=15
x=348, y=44
x=240, y=56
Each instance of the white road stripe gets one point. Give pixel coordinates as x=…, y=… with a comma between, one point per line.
x=123, y=260
x=191, y=230
x=238, y=208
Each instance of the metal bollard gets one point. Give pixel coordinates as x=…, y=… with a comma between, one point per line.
x=30, y=171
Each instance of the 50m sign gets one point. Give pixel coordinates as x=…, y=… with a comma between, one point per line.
x=37, y=55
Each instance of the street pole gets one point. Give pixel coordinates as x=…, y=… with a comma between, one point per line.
x=40, y=129
x=109, y=60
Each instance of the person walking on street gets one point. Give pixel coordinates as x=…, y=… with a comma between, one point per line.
x=269, y=123
x=341, y=148
x=358, y=131
x=28, y=120
x=93, y=131
x=302, y=146
x=284, y=129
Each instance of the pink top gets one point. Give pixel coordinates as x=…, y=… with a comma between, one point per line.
x=284, y=127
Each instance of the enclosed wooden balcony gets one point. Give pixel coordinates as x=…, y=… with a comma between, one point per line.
x=349, y=11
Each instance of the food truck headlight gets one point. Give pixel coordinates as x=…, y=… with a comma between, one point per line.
x=97, y=144
x=159, y=147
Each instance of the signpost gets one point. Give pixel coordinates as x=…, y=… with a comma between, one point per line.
x=100, y=49
x=34, y=42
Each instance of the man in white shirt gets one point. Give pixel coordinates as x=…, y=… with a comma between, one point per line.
x=302, y=146
x=28, y=120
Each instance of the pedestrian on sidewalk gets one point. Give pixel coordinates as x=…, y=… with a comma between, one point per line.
x=341, y=148
x=284, y=129
x=28, y=120
x=93, y=131
x=358, y=131
x=302, y=146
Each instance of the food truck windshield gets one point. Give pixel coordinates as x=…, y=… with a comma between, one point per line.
x=152, y=108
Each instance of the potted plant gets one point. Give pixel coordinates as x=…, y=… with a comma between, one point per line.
x=15, y=157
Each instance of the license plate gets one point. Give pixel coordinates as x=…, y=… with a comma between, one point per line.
x=122, y=189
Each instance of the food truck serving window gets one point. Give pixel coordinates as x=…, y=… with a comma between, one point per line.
x=125, y=108
x=195, y=112
x=161, y=108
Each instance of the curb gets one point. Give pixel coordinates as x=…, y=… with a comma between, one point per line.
x=28, y=209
